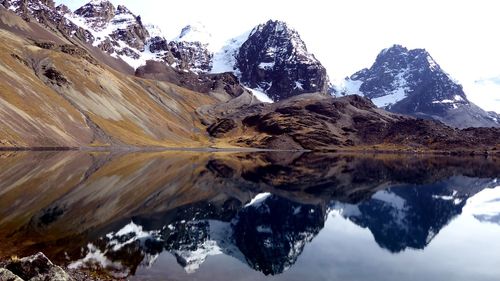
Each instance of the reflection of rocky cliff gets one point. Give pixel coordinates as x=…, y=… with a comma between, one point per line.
x=273, y=233
x=268, y=234
x=410, y=216
x=80, y=205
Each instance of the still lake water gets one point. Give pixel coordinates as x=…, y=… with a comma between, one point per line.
x=254, y=216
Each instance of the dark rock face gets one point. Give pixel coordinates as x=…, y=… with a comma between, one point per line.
x=126, y=27
x=45, y=13
x=272, y=243
x=134, y=34
x=193, y=56
x=98, y=13
x=411, y=82
x=276, y=60
x=222, y=127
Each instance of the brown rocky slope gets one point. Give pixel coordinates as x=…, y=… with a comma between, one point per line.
x=54, y=93
x=316, y=122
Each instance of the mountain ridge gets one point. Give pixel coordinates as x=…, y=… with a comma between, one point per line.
x=84, y=97
x=412, y=82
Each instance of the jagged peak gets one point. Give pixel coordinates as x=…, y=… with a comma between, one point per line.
x=63, y=9
x=121, y=9
x=280, y=29
x=278, y=26
x=94, y=8
x=396, y=48
x=28, y=4
x=99, y=2
x=410, y=56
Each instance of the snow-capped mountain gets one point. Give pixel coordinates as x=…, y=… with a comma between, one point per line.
x=275, y=59
x=116, y=30
x=46, y=13
x=196, y=32
x=269, y=234
x=412, y=82
x=271, y=59
x=406, y=216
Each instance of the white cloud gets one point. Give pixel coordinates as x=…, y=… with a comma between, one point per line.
x=346, y=35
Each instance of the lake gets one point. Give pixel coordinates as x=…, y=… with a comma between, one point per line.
x=181, y=215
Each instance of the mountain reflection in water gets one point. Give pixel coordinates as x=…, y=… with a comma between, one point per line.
x=122, y=212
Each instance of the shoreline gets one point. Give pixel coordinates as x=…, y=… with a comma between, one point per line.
x=355, y=150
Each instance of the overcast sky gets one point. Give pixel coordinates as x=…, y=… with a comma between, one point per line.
x=347, y=35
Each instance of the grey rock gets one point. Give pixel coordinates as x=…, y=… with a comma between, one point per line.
x=37, y=268
x=6, y=275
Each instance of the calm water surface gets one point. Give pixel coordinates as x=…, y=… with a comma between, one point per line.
x=259, y=216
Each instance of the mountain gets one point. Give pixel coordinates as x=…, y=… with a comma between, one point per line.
x=116, y=30
x=275, y=59
x=271, y=58
x=318, y=122
x=283, y=69
x=412, y=82
x=406, y=216
x=84, y=94
x=77, y=99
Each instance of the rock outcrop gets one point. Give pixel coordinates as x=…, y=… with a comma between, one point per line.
x=275, y=60
x=182, y=55
x=116, y=30
x=317, y=122
x=33, y=268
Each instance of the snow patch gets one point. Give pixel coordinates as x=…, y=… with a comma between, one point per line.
x=135, y=232
x=260, y=95
x=346, y=210
x=224, y=60
x=432, y=63
x=401, y=87
x=95, y=256
x=258, y=199
x=351, y=87
x=299, y=85
x=390, y=198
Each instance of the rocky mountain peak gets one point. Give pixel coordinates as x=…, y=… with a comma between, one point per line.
x=63, y=9
x=98, y=13
x=120, y=9
x=275, y=60
x=277, y=34
x=412, y=82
